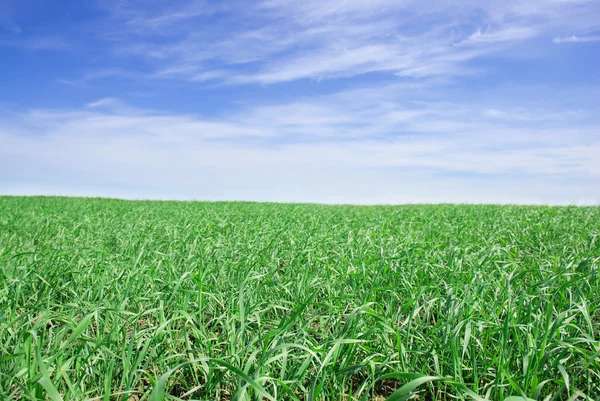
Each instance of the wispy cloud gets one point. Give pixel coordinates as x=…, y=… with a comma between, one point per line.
x=37, y=43
x=576, y=39
x=7, y=20
x=274, y=41
x=102, y=73
x=503, y=35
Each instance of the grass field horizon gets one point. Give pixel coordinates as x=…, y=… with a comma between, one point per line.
x=113, y=299
x=582, y=204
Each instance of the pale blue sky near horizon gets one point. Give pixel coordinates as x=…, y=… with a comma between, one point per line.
x=332, y=101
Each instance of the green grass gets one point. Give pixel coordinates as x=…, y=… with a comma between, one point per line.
x=107, y=299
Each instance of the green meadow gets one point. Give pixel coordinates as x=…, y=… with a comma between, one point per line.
x=106, y=299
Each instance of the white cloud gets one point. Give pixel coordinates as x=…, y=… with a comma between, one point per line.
x=576, y=39
x=368, y=145
x=503, y=35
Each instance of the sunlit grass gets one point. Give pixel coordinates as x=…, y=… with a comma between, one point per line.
x=106, y=299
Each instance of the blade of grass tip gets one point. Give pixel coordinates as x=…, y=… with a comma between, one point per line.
x=285, y=324
x=462, y=387
x=405, y=391
x=565, y=376
x=50, y=388
x=578, y=394
x=466, y=339
x=538, y=389
x=108, y=380
x=158, y=392
x=244, y=376
x=474, y=395
x=45, y=381
x=85, y=322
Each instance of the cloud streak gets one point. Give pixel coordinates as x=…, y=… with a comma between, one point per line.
x=576, y=39
x=48, y=43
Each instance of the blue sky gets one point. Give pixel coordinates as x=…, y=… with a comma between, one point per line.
x=345, y=101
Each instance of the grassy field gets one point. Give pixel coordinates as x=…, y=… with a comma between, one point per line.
x=108, y=299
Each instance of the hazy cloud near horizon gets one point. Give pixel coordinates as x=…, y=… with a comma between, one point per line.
x=316, y=101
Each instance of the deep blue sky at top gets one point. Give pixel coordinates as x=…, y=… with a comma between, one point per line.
x=441, y=101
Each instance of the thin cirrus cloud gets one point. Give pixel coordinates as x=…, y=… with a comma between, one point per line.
x=281, y=41
x=576, y=39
